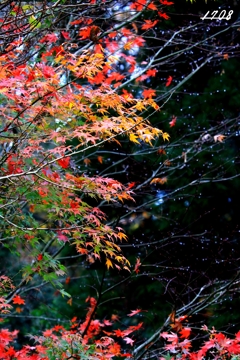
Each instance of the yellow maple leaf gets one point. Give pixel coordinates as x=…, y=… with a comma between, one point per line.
x=109, y=263
x=133, y=138
x=122, y=236
x=165, y=136
x=128, y=45
x=100, y=159
x=139, y=106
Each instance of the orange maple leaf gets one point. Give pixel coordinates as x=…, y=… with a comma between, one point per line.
x=109, y=263
x=177, y=324
x=82, y=251
x=161, y=152
x=100, y=159
x=19, y=309
x=219, y=138
x=135, y=27
x=114, y=317
x=159, y=180
x=167, y=163
x=87, y=161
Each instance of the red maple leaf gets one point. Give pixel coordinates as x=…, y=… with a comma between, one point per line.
x=40, y=257
x=126, y=94
x=64, y=163
x=18, y=300
x=233, y=348
x=134, y=312
x=173, y=121
x=61, y=236
x=65, y=34
x=76, y=22
x=119, y=333
x=151, y=72
x=138, y=5
x=85, y=32
x=139, y=41
x=6, y=336
x=97, y=79
x=129, y=340
x=11, y=352
x=151, y=6
x=165, y=2
x=58, y=328
x=114, y=76
x=52, y=38
x=163, y=15
x=131, y=185
x=169, y=80
x=238, y=336
x=185, y=332
x=137, y=266
x=149, y=24
x=126, y=32
x=47, y=333
x=148, y=93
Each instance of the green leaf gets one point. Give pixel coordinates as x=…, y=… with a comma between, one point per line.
x=64, y=293
x=34, y=23
x=27, y=7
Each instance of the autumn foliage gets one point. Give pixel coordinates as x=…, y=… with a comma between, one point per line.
x=61, y=96
x=91, y=339
x=59, y=99
x=40, y=160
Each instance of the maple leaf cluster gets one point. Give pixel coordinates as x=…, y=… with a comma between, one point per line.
x=44, y=173
x=76, y=341
x=219, y=346
x=56, y=105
